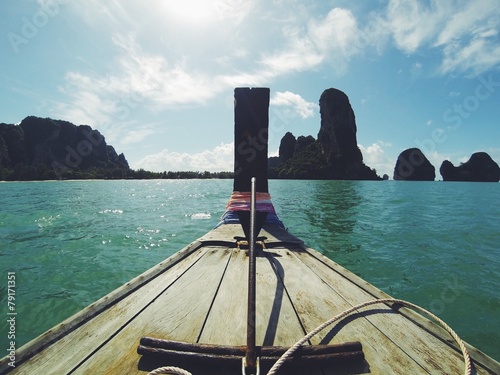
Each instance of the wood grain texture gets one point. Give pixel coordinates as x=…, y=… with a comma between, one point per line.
x=82, y=341
x=200, y=296
x=179, y=312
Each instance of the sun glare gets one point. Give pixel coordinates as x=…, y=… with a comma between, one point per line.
x=191, y=11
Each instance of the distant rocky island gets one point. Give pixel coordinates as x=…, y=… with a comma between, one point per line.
x=334, y=155
x=479, y=168
x=47, y=149
x=412, y=165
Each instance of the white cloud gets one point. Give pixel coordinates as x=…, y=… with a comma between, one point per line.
x=245, y=79
x=85, y=105
x=466, y=32
x=336, y=34
x=334, y=38
x=139, y=79
x=137, y=135
x=159, y=82
x=473, y=18
x=300, y=54
x=234, y=11
x=295, y=104
x=412, y=23
x=155, y=79
x=219, y=158
x=436, y=159
x=495, y=154
x=376, y=157
x=475, y=57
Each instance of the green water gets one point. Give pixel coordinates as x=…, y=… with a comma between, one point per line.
x=435, y=244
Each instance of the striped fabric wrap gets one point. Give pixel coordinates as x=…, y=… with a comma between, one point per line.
x=240, y=201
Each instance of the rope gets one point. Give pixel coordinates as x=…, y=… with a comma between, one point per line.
x=298, y=344
x=169, y=370
x=461, y=344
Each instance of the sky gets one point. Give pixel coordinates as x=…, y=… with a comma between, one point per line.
x=157, y=78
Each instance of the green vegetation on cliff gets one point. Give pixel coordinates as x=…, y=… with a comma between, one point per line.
x=306, y=162
x=41, y=172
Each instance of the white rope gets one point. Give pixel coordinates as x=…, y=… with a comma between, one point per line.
x=298, y=344
x=169, y=370
x=289, y=352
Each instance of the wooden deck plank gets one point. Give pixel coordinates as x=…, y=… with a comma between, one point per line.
x=484, y=364
x=203, y=298
x=276, y=313
x=170, y=316
x=90, y=335
x=228, y=232
x=226, y=323
x=316, y=302
x=223, y=233
x=277, y=323
x=421, y=345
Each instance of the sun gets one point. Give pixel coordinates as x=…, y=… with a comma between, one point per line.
x=191, y=11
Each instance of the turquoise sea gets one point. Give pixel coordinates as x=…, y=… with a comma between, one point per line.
x=436, y=244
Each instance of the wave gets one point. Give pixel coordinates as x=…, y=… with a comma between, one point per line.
x=201, y=216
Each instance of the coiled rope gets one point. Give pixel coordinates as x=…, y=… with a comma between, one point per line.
x=169, y=370
x=298, y=344
x=289, y=352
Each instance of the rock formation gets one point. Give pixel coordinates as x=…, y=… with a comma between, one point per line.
x=334, y=155
x=337, y=135
x=479, y=168
x=307, y=161
x=50, y=149
x=412, y=165
x=287, y=147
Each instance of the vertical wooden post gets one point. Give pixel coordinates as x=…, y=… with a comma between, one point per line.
x=251, y=352
x=251, y=133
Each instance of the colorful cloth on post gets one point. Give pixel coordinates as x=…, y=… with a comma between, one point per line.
x=240, y=201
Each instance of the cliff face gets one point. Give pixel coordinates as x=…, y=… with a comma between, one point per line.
x=479, y=168
x=337, y=135
x=56, y=147
x=287, y=147
x=307, y=161
x=412, y=165
x=334, y=155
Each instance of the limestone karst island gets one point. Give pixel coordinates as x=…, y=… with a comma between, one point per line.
x=48, y=149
